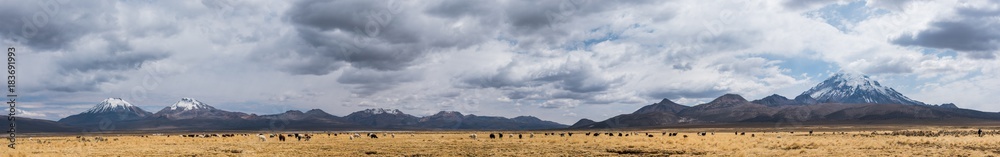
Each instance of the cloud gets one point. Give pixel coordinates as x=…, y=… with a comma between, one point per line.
x=559, y=103
x=974, y=31
x=370, y=81
x=588, y=58
x=807, y=4
x=54, y=24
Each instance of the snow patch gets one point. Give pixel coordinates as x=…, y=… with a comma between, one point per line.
x=111, y=105
x=189, y=104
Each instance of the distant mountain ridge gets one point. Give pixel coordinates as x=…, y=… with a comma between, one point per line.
x=841, y=98
x=844, y=97
x=193, y=115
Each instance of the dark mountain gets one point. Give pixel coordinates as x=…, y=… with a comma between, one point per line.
x=192, y=115
x=726, y=108
x=108, y=111
x=948, y=105
x=314, y=119
x=455, y=120
x=656, y=114
x=582, y=123
x=29, y=125
x=664, y=105
x=855, y=88
x=776, y=100
x=843, y=98
x=805, y=99
x=188, y=108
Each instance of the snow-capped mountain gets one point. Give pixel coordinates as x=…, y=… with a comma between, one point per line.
x=189, y=108
x=115, y=105
x=189, y=104
x=381, y=111
x=856, y=88
x=111, y=109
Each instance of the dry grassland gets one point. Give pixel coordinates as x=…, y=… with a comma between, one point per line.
x=960, y=142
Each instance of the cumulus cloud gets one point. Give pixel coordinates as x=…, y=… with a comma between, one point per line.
x=578, y=58
x=974, y=31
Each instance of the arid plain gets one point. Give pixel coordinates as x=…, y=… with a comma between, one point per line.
x=824, y=141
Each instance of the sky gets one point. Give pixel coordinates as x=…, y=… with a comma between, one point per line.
x=559, y=60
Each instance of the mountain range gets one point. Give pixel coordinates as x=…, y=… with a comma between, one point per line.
x=189, y=114
x=842, y=98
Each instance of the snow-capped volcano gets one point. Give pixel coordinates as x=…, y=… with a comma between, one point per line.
x=189, y=108
x=189, y=104
x=114, y=109
x=113, y=105
x=856, y=88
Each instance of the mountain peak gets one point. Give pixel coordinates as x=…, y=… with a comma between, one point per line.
x=664, y=105
x=382, y=111
x=729, y=98
x=845, y=87
x=111, y=105
x=448, y=113
x=115, y=109
x=189, y=104
x=666, y=101
x=583, y=122
x=776, y=100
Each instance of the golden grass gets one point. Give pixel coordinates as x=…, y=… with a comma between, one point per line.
x=723, y=143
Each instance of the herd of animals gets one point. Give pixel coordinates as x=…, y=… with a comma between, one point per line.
x=501, y=135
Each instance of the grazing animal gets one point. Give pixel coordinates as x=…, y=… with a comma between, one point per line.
x=743, y=133
x=519, y=136
x=374, y=136
x=281, y=137
x=532, y=135
x=810, y=132
x=980, y=133
x=570, y=134
x=261, y=136
x=619, y=134
x=473, y=136
x=685, y=136
x=751, y=135
x=500, y=135
x=650, y=135
x=492, y=136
